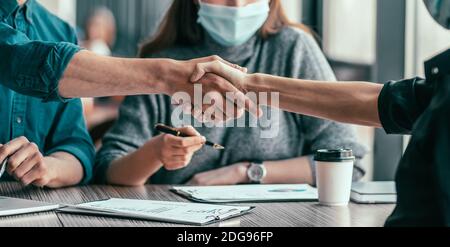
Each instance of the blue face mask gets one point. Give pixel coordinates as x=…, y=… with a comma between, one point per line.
x=233, y=26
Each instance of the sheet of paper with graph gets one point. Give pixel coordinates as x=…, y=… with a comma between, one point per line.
x=164, y=211
x=249, y=193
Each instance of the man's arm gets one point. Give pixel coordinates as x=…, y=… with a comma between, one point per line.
x=59, y=70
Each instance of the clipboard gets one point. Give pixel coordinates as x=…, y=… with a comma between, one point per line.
x=159, y=211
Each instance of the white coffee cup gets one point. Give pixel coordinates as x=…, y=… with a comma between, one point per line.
x=334, y=173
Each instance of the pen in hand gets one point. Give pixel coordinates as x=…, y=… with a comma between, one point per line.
x=3, y=167
x=171, y=131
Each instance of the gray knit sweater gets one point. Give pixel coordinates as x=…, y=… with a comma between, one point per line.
x=291, y=53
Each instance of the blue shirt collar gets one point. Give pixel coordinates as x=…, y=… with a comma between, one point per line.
x=7, y=7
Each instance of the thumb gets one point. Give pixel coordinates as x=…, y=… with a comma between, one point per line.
x=203, y=68
x=221, y=69
x=189, y=130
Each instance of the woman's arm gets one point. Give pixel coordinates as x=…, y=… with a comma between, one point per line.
x=136, y=168
x=291, y=171
x=295, y=171
x=348, y=102
x=166, y=151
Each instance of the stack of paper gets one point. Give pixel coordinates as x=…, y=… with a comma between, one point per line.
x=249, y=193
x=174, y=212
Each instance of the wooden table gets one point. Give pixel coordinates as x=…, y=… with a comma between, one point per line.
x=265, y=214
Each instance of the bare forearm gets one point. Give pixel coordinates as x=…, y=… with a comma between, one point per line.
x=90, y=75
x=66, y=170
x=135, y=168
x=292, y=171
x=347, y=102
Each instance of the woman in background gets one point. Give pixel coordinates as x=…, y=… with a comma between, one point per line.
x=255, y=34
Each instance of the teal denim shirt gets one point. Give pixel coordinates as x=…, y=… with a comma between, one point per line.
x=35, y=49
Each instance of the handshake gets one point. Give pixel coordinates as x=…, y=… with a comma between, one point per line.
x=216, y=91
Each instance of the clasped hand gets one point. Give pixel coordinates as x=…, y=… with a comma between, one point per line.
x=221, y=82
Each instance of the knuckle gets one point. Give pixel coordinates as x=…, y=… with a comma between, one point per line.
x=40, y=156
x=12, y=161
x=184, y=142
x=166, y=138
x=42, y=168
x=24, y=181
x=184, y=151
x=198, y=67
x=34, y=146
x=23, y=139
x=18, y=174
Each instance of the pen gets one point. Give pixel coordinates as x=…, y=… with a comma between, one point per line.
x=3, y=167
x=171, y=131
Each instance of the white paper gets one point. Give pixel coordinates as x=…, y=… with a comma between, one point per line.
x=177, y=212
x=250, y=193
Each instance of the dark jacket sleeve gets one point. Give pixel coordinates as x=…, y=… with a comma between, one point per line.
x=401, y=103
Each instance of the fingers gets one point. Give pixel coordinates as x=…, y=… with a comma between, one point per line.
x=189, y=130
x=177, y=162
x=235, y=66
x=177, y=152
x=202, y=69
x=173, y=151
x=219, y=87
x=217, y=58
x=25, y=152
x=36, y=176
x=26, y=167
x=25, y=162
x=183, y=142
x=13, y=146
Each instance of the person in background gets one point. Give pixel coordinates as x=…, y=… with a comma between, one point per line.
x=417, y=106
x=100, y=32
x=255, y=34
x=100, y=36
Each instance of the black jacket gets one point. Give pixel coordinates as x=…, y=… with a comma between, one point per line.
x=421, y=107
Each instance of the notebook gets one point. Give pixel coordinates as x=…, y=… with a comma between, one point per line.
x=374, y=192
x=249, y=193
x=13, y=206
x=162, y=211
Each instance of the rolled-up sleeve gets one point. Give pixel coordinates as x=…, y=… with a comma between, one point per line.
x=33, y=68
x=402, y=102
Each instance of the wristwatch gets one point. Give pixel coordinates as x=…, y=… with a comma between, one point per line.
x=256, y=172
